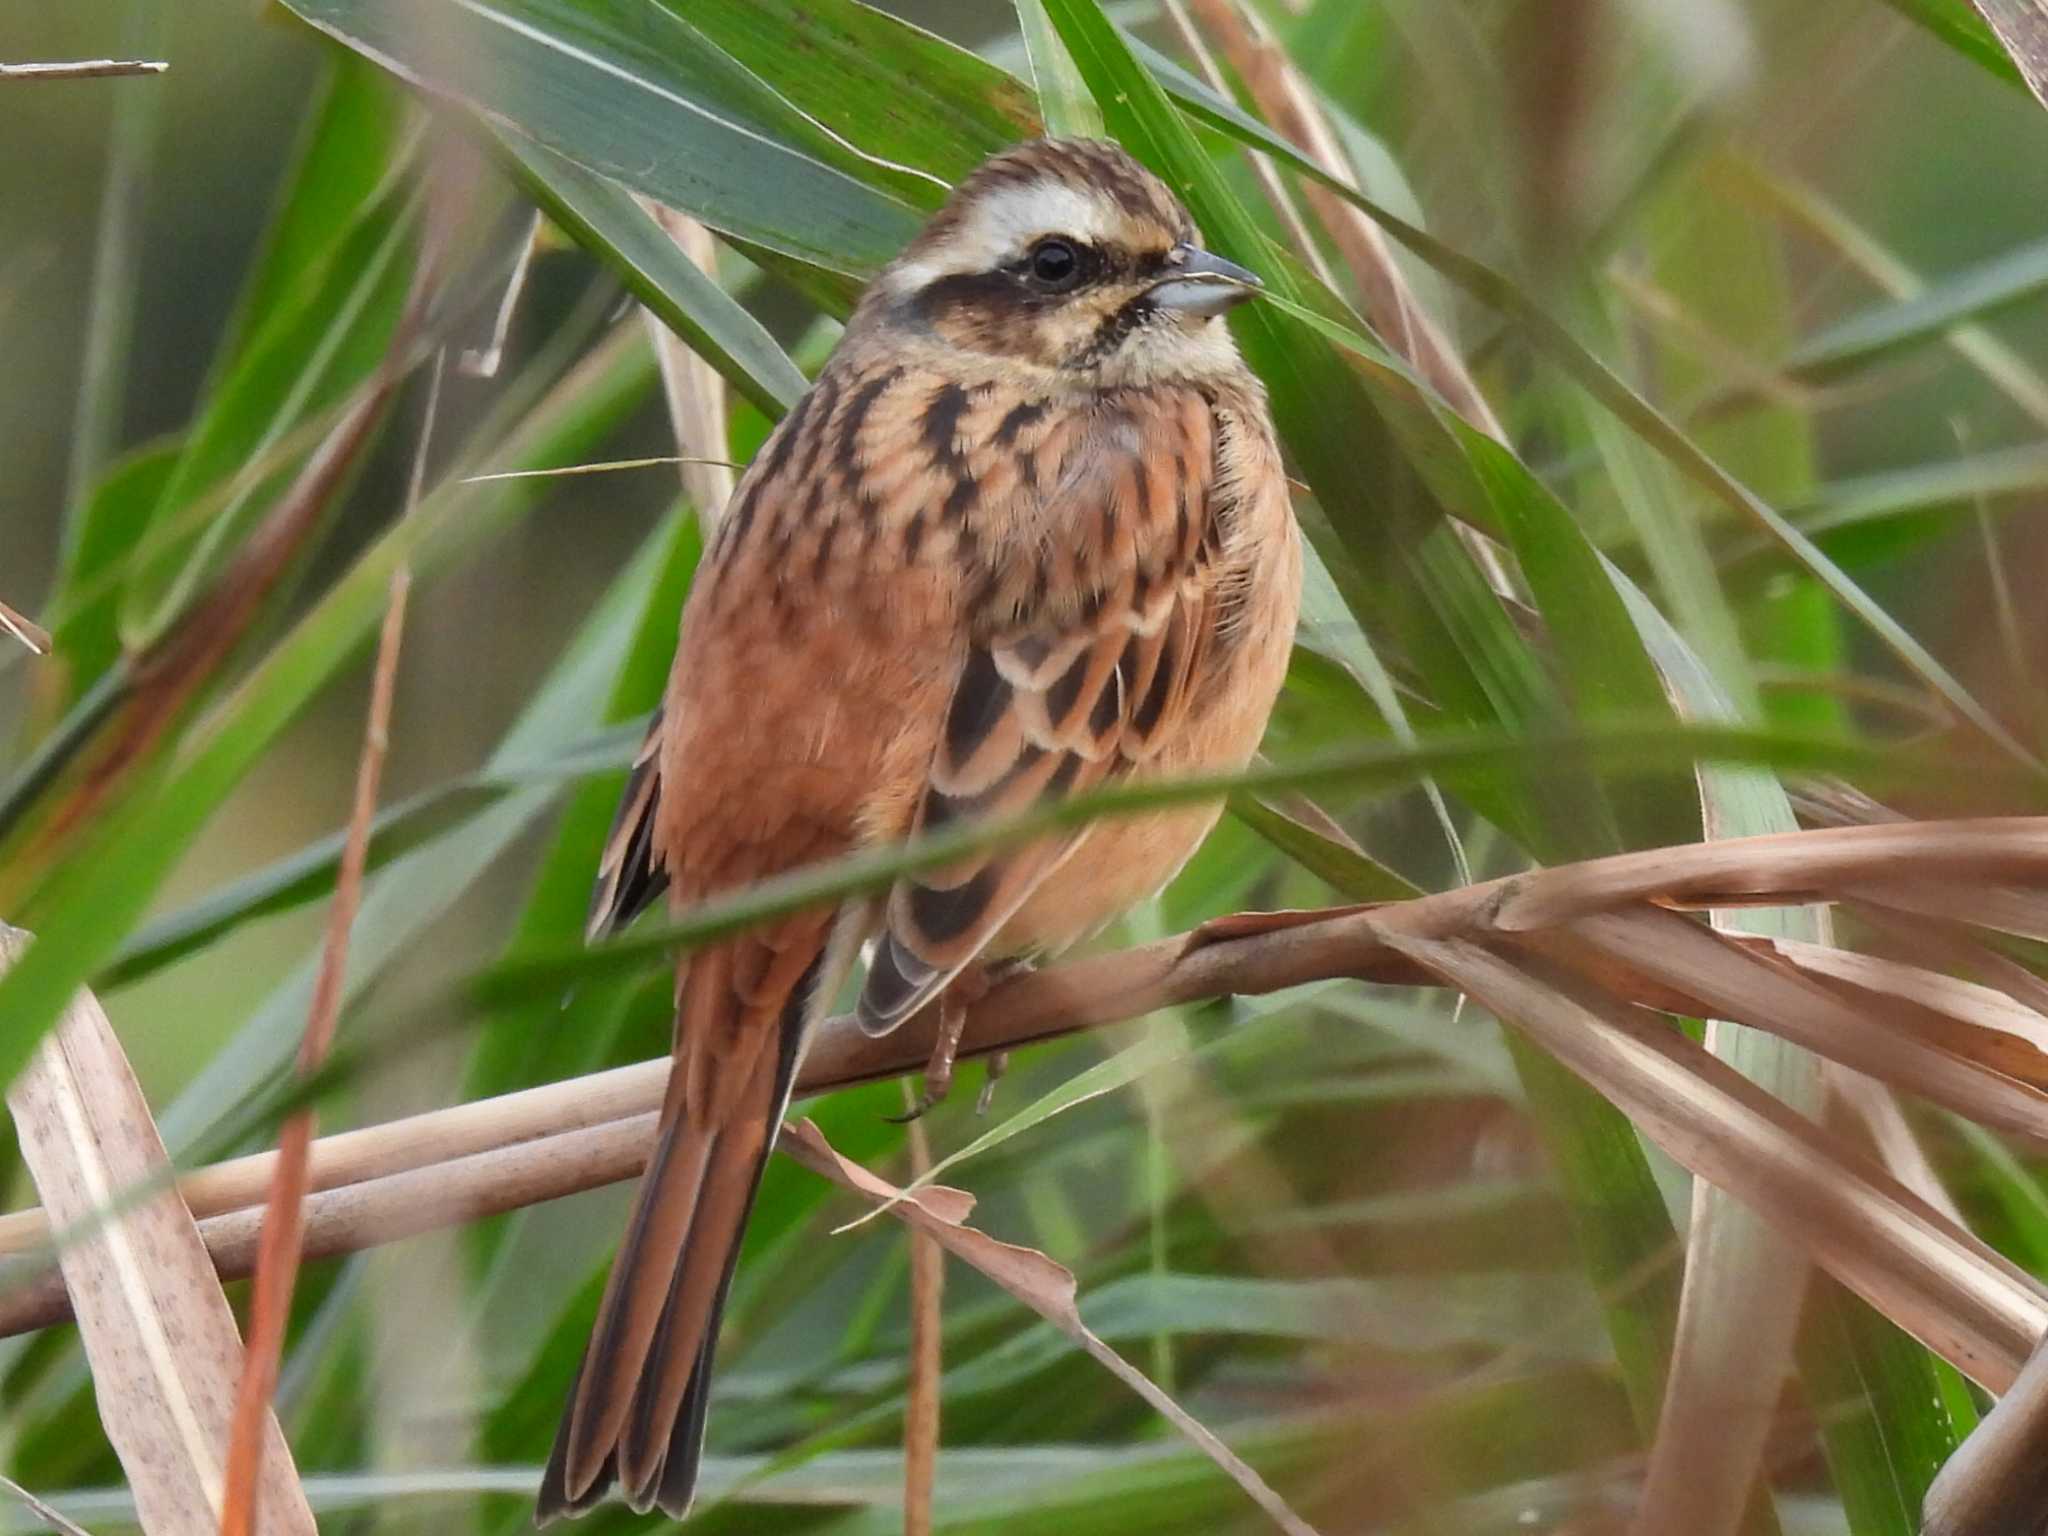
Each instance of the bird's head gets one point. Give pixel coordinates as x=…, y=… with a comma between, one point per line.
x=1066, y=255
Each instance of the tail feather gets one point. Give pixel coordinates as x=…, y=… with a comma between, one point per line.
x=698, y=1287
x=636, y=1412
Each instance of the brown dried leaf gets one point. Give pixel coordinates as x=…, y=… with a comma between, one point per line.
x=1047, y=1287
x=1979, y=1023
x=158, y=1334
x=1789, y=868
x=1728, y=979
x=1966, y=1302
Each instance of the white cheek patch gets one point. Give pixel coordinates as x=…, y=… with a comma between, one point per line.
x=1002, y=226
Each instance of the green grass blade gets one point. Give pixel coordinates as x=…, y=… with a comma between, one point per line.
x=82, y=912
x=1958, y=25
x=1063, y=99
x=603, y=218
x=687, y=126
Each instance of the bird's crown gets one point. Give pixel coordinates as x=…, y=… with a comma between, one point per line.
x=1066, y=254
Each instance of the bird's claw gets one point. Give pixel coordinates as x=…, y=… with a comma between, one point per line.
x=997, y=1065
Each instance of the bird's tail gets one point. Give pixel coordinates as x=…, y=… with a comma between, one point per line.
x=636, y=1412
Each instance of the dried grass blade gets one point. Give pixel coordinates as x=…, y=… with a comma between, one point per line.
x=31, y=634
x=1995, y=1029
x=1961, y=1299
x=927, y=1364
x=158, y=1334
x=1048, y=1288
x=1953, y=948
x=1987, y=904
x=1732, y=981
x=1790, y=867
x=695, y=390
x=44, y=1511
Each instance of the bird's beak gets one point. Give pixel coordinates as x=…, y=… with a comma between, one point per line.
x=1199, y=283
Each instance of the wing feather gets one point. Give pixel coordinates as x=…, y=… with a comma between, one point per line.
x=1073, y=692
x=630, y=874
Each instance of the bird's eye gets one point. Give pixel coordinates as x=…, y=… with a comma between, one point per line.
x=1055, y=265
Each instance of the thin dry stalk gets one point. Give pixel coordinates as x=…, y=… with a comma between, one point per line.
x=1288, y=102
x=31, y=634
x=48, y=1513
x=921, y=1409
x=1262, y=164
x=694, y=389
x=83, y=69
x=283, y=1225
x=1041, y=1283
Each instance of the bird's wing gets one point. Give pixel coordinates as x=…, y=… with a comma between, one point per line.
x=630, y=876
x=1080, y=664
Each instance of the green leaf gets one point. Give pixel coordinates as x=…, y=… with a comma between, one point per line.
x=1957, y=24
x=83, y=910
x=308, y=874
x=1637, y=413
x=893, y=91
x=347, y=146
x=1373, y=766
x=87, y=600
x=1947, y=302
x=681, y=122
x=308, y=354
x=1063, y=99
x=605, y=220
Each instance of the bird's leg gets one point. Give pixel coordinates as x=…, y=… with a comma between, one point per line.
x=993, y=975
x=961, y=994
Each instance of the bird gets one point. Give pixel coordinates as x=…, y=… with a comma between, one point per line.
x=1026, y=534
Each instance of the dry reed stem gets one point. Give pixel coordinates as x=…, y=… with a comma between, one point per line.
x=1262, y=164
x=1287, y=102
x=283, y=1236
x=1780, y=869
x=695, y=390
x=921, y=1407
x=17, y=624
x=83, y=69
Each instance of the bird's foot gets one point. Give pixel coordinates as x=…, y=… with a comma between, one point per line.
x=965, y=990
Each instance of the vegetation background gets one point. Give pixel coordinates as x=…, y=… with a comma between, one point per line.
x=1327, y=1222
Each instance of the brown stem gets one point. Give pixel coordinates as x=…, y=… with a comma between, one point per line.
x=1286, y=101
x=283, y=1231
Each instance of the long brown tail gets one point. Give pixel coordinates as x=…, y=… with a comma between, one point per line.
x=636, y=1412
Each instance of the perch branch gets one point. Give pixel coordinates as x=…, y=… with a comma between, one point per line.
x=391, y=1181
